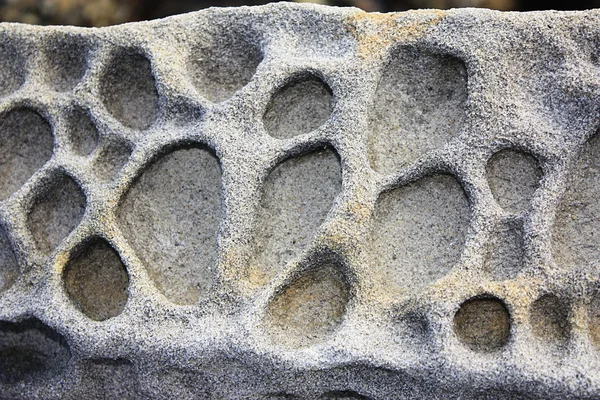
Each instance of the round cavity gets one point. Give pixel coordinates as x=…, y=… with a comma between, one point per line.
x=224, y=63
x=97, y=281
x=310, y=309
x=513, y=176
x=549, y=318
x=483, y=324
x=67, y=61
x=299, y=107
x=128, y=90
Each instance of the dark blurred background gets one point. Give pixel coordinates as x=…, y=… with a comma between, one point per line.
x=110, y=12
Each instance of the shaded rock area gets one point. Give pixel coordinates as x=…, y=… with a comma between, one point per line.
x=302, y=202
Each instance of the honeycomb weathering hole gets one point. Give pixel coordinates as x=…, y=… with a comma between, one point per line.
x=299, y=107
x=82, y=133
x=67, y=62
x=128, y=90
x=57, y=210
x=111, y=159
x=9, y=268
x=513, y=177
x=26, y=143
x=297, y=195
x=549, y=318
x=223, y=64
x=97, y=281
x=12, y=68
x=171, y=216
x=419, y=106
x=310, y=309
x=419, y=230
x=575, y=240
x=31, y=350
x=594, y=320
x=483, y=324
x=505, y=254
x=413, y=325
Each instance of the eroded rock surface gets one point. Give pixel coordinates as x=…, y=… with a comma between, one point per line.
x=302, y=202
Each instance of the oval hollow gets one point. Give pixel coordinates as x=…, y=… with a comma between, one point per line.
x=310, y=308
x=299, y=107
x=97, y=281
x=549, y=318
x=513, y=177
x=83, y=134
x=26, y=143
x=171, y=215
x=224, y=63
x=128, y=90
x=419, y=106
x=483, y=324
x=56, y=212
x=418, y=232
x=297, y=196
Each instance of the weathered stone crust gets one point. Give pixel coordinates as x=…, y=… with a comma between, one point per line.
x=296, y=201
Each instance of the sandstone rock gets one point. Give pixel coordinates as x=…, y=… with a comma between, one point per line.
x=297, y=201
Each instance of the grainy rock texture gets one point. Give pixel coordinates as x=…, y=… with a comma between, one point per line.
x=302, y=202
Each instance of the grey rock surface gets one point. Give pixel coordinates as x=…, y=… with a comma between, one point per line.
x=302, y=202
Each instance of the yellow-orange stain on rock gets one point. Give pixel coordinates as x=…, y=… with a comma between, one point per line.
x=359, y=211
x=252, y=275
x=256, y=276
x=62, y=259
x=375, y=32
x=310, y=308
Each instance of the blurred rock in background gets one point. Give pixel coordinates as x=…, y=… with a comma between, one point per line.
x=111, y=12
x=69, y=12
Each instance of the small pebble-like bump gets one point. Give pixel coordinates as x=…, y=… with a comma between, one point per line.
x=97, y=281
x=128, y=90
x=299, y=107
x=483, y=324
